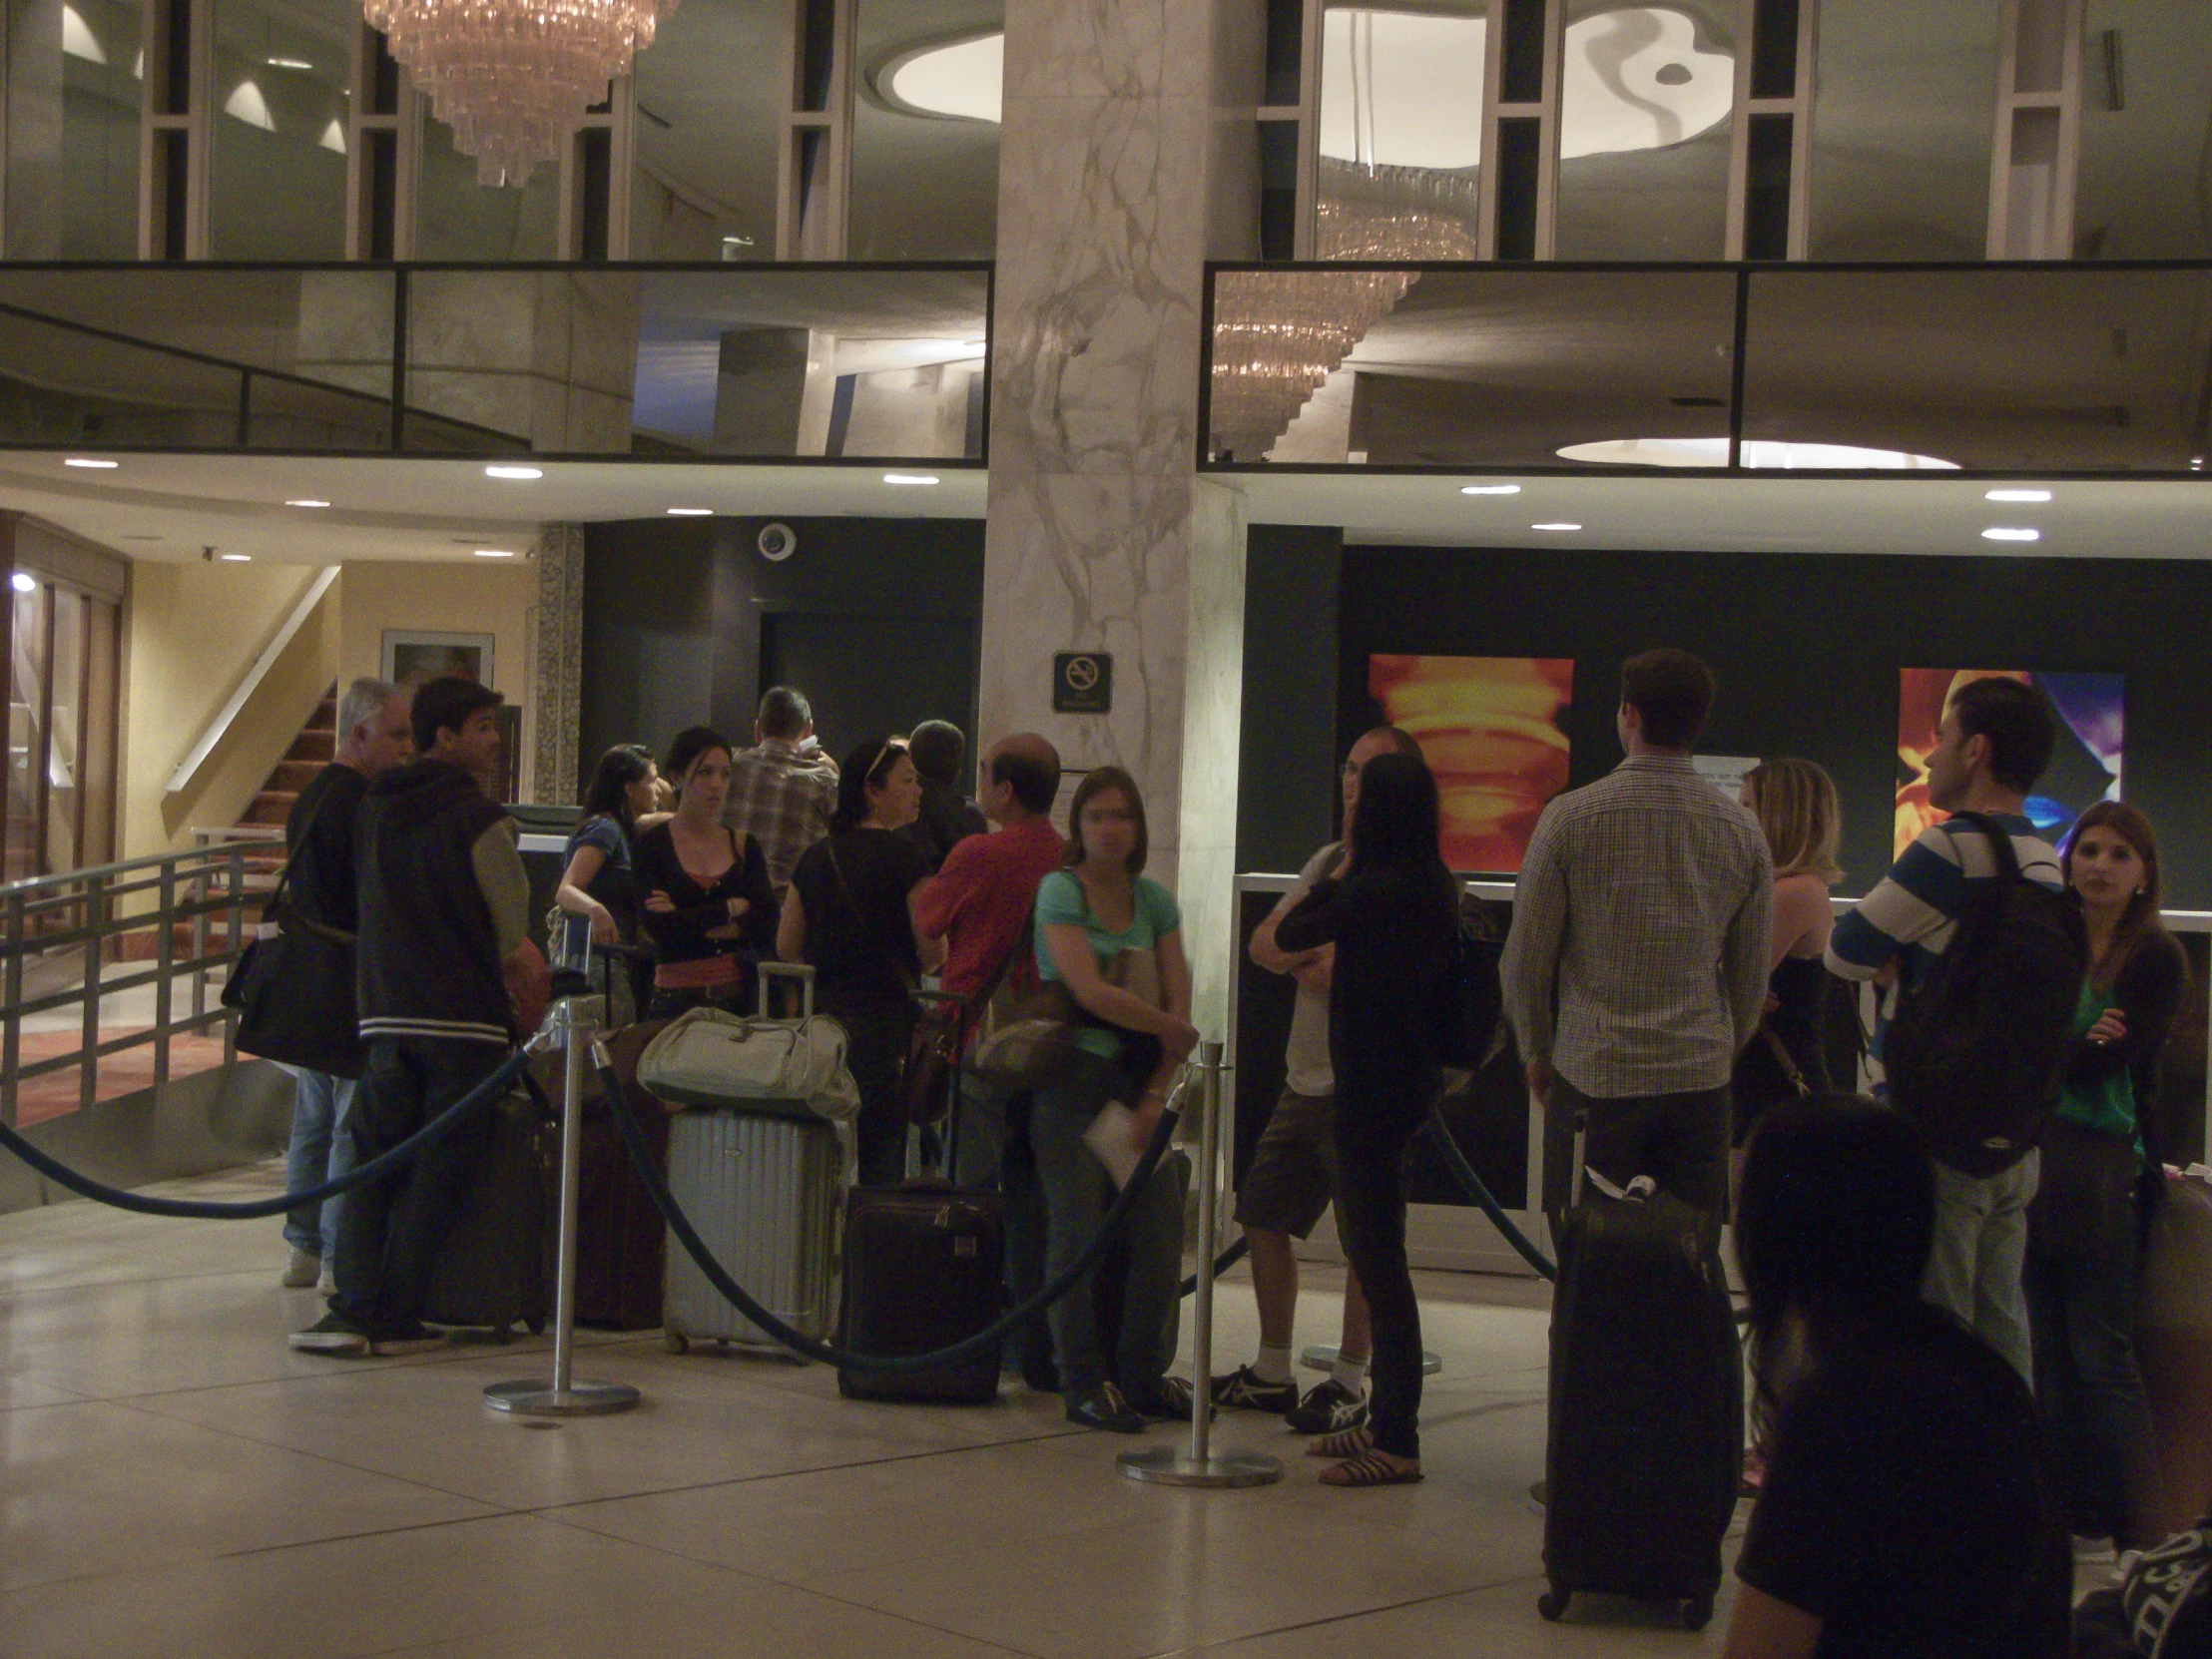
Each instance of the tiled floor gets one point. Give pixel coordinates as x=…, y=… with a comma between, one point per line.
x=175, y=1482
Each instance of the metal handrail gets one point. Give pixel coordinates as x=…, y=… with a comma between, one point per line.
x=191, y=886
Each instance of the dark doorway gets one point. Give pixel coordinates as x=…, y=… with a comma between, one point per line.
x=869, y=676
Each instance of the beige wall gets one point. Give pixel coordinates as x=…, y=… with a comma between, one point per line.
x=481, y=597
x=193, y=631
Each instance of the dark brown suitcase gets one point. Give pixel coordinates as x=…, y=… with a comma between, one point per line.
x=494, y=1267
x=923, y=1267
x=621, y=1241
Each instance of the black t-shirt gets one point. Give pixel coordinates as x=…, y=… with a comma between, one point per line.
x=1909, y=1504
x=860, y=933
x=324, y=886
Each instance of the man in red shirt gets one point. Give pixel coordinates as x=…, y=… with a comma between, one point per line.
x=980, y=904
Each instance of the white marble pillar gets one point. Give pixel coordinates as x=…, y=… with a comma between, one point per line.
x=1124, y=161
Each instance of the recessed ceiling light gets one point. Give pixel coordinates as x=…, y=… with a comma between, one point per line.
x=909, y=478
x=1489, y=489
x=82, y=460
x=1555, y=526
x=522, y=474
x=236, y=558
x=2000, y=532
x=290, y=63
x=495, y=553
x=2016, y=495
x=691, y=512
x=22, y=583
x=307, y=503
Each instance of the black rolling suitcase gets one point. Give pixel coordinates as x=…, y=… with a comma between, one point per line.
x=923, y=1267
x=1646, y=1448
x=493, y=1266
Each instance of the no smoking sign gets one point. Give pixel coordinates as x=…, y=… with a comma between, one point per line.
x=1082, y=683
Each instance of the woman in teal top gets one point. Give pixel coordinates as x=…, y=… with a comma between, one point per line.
x=2085, y=1225
x=1115, y=940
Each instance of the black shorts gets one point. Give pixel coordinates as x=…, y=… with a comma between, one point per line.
x=1292, y=1178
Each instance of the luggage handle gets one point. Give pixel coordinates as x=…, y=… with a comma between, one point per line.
x=768, y=971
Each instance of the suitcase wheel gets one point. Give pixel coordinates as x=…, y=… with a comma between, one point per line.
x=1553, y=1602
x=1697, y=1612
x=677, y=1342
x=535, y=1325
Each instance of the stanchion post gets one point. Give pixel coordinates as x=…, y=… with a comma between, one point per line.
x=1200, y=1466
x=564, y=1397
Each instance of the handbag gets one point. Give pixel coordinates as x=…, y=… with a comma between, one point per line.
x=1036, y=1046
x=1785, y=1060
x=293, y=987
x=777, y=1067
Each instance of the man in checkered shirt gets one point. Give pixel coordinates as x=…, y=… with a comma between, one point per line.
x=782, y=790
x=1637, y=966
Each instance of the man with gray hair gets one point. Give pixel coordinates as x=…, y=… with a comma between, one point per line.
x=373, y=735
x=784, y=789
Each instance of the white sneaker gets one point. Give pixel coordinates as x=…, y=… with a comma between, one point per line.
x=327, y=1285
x=306, y=1266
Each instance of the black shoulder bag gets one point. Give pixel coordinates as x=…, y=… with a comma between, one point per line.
x=292, y=987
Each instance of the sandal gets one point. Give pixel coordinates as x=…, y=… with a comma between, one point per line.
x=1371, y=1470
x=1345, y=1442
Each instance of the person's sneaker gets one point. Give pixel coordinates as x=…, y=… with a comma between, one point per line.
x=305, y=1267
x=1170, y=1400
x=412, y=1337
x=1328, y=1408
x=1042, y=1378
x=1243, y=1390
x=1103, y=1408
x=334, y=1333
x=327, y=1285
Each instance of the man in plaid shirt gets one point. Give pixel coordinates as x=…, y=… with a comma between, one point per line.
x=1637, y=966
x=782, y=791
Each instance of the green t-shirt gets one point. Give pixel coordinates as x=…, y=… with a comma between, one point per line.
x=1061, y=902
x=2107, y=1105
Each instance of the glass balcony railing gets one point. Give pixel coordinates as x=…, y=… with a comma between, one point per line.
x=1999, y=368
x=664, y=362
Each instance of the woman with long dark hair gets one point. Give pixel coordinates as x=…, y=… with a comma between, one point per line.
x=709, y=909
x=1392, y=915
x=849, y=912
x=1909, y=1504
x=598, y=896
x=2084, y=1233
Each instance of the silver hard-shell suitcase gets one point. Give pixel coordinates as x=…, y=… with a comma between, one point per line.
x=763, y=1191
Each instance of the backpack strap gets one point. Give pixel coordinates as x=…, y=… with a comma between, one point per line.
x=2000, y=844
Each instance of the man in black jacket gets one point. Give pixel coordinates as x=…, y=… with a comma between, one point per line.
x=445, y=907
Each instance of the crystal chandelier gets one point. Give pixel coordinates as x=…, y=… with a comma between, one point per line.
x=513, y=78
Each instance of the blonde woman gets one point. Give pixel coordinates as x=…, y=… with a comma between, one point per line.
x=1796, y=804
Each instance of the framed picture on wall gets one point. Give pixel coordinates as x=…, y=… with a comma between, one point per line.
x=2088, y=712
x=412, y=656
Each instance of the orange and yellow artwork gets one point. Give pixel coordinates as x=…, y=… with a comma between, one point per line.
x=1495, y=731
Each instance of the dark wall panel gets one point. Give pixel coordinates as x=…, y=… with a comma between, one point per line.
x=1807, y=648
x=1286, y=804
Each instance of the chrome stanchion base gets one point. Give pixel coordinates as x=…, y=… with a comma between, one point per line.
x=1323, y=1356
x=1173, y=1465
x=537, y=1398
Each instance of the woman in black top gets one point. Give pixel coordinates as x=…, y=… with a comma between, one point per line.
x=709, y=909
x=1393, y=916
x=1796, y=804
x=1908, y=1506
x=849, y=912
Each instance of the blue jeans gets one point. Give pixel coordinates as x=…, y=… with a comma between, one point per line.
x=320, y=1151
x=1980, y=1251
x=1077, y=1191
x=995, y=1154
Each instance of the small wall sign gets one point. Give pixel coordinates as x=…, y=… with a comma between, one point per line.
x=1082, y=683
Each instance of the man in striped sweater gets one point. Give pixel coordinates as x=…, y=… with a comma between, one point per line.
x=1994, y=742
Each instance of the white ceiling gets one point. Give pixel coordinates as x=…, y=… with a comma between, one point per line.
x=445, y=509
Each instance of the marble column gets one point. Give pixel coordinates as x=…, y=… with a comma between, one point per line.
x=557, y=676
x=1125, y=162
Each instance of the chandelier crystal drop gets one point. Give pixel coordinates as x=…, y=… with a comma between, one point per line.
x=513, y=78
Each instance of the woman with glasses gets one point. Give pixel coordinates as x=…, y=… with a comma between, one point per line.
x=1114, y=941
x=849, y=913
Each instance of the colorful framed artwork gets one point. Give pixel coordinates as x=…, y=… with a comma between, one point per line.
x=2090, y=711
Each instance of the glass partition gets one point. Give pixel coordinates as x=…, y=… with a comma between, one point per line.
x=458, y=218
x=707, y=94
x=2143, y=191
x=926, y=129
x=1645, y=115
x=1401, y=129
x=100, y=129
x=1490, y=368
x=276, y=160
x=1902, y=129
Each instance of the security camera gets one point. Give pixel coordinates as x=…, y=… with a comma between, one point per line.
x=778, y=542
